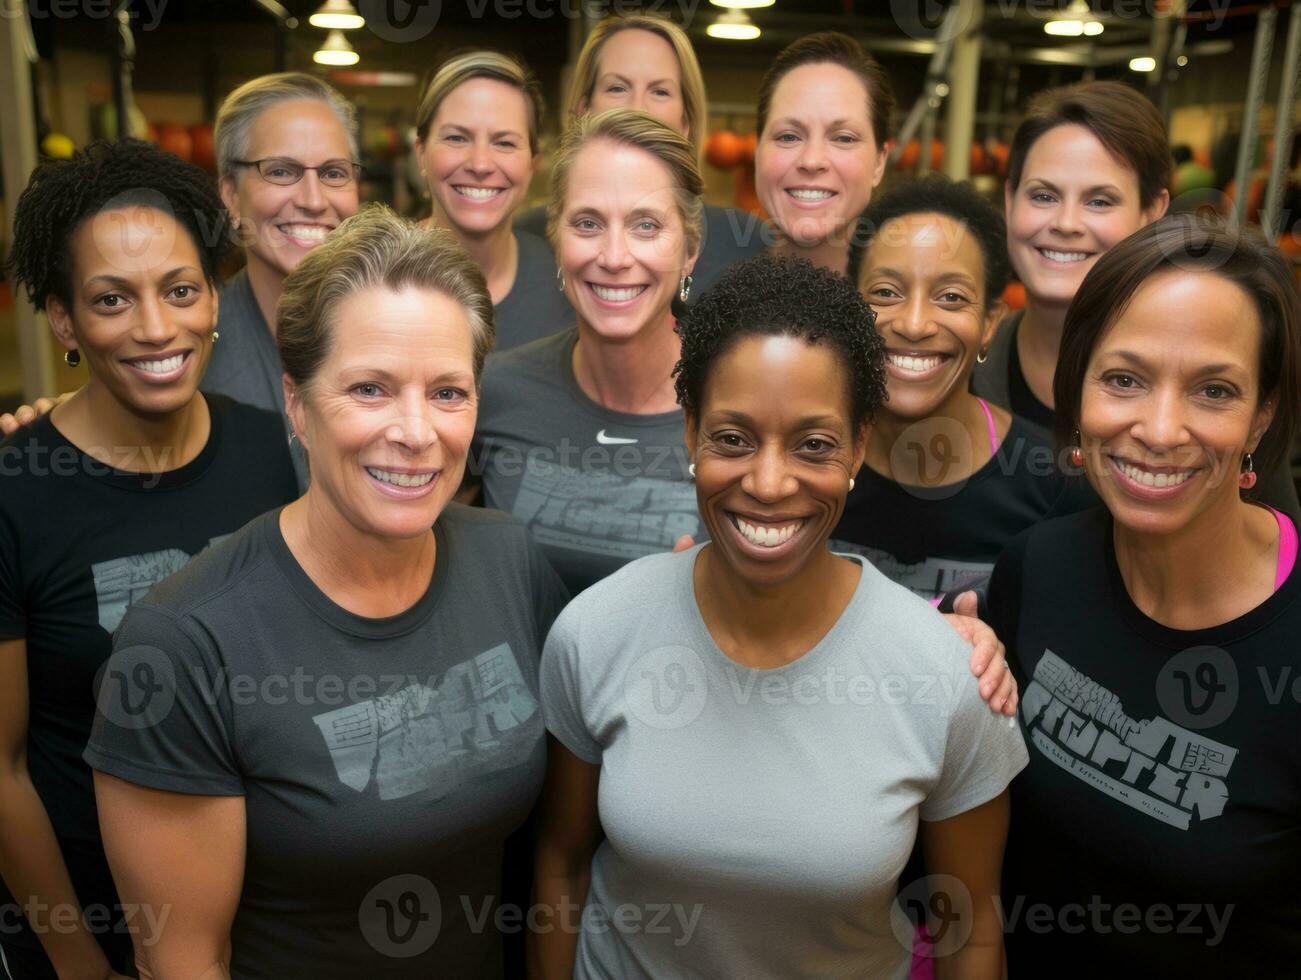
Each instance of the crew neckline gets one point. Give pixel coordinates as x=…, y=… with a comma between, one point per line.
x=594, y=408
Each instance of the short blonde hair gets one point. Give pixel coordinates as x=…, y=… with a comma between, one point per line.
x=693, y=83
x=375, y=248
x=481, y=64
x=241, y=108
x=632, y=127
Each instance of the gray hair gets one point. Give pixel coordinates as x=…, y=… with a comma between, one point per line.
x=372, y=249
x=241, y=108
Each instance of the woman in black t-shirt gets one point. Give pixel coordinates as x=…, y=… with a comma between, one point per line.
x=1157, y=829
x=948, y=479
x=100, y=500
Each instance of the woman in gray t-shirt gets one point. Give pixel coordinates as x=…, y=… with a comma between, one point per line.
x=313, y=743
x=758, y=727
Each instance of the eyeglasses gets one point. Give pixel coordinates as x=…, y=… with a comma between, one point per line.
x=282, y=171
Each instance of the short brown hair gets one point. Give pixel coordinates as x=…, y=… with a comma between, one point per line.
x=832, y=47
x=1192, y=242
x=632, y=127
x=1125, y=122
x=375, y=248
x=481, y=64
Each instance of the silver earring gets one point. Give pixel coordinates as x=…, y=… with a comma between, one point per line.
x=684, y=288
x=851, y=483
x=692, y=470
x=982, y=357
x=292, y=435
x=215, y=335
x=560, y=279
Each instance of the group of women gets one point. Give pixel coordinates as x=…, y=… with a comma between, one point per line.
x=277, y=701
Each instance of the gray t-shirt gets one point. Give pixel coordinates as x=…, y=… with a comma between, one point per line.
x=534, y=307
x=757, y=821
x=245, y=362
x=596, y=487
x=383, y=762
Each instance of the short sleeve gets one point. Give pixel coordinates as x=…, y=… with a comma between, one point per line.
x=549, y=593
x=982, y=752
x=562, y=706
x=163, y=713
x=13, y=610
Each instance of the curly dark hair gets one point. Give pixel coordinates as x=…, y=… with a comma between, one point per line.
x=936, y=194
x=61, y=194
x=772, y=296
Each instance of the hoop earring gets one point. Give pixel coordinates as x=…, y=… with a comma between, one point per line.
x=1247, y=478
x=560, y=279
x=982, y=357
x=72, y=357
x=684, y=288
x=691, y=470
x=851, y=483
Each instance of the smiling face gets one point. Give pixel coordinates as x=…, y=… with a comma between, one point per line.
x=924, y=274
x=1171, y=401
x=1074, y=202
x=280, y=224
x=639, y=70
x=774, y=450
x=388, y=418
x=620, y=241
x=476, y=156
x=817, y=159
x=142, y=311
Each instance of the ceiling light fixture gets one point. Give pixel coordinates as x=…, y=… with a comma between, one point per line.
x=337, y=15
x=336, y=51
x=733, y=26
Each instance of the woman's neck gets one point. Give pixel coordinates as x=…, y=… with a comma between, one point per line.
x=495, y=252
x=633, y=375
x=1038, y=342
x=103, y=428
x=1218, y=568
x=366, y=574
x=268, y=283
x=754, y=624
x=824, y=254
x=926, y=461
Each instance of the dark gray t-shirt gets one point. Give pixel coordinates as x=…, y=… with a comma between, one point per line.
x=596, y=487
x=245, y=362
x=534, y=307
x=382, y=762
x=756, y=821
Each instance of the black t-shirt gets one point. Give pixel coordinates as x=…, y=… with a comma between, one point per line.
x=1025, y=402
x=79, y=543
x=1157, y=829
x=383, y=762
x=946, y=538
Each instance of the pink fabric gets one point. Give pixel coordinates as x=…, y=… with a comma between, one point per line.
x=923, y=966
x=1287, y=548
x=993, y=429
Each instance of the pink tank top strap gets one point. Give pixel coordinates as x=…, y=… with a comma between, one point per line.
x=1287, y=548
x=989, y=420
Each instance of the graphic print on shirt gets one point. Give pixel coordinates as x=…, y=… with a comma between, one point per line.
x=602, y=513
x=1152, y=765
x=929, y=578
x=421, y=737
x=121, y=581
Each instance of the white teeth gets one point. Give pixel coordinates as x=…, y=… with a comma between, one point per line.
x=803, y=194
x=1149, y=479
x=918, y=364
x=1064, y=256
x=400, y=479
x=477, y=193
x=164, y=366
x=306, y=233
x=767, y=537
x=611, y=295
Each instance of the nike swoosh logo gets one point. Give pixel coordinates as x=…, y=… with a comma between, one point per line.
x=605, y=440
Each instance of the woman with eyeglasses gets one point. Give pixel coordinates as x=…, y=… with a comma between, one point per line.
x=477, y=138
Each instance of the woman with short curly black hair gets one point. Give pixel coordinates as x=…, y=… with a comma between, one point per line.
x=103, y=498
x=751, y=709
